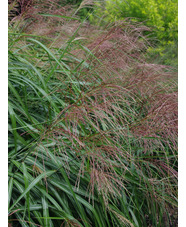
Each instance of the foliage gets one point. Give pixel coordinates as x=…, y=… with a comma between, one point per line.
x=92, y=129
x=161, y=16
x=73, y=1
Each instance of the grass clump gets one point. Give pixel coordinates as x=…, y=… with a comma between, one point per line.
x=160, y=16
x=92, y=130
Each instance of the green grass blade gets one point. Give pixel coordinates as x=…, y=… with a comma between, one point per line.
x=58, y=16
x=13, y=120
x=45, y=211
x=26, y=186
x=32, y=184
x=10, y=187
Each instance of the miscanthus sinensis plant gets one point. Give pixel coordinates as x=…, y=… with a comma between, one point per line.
x=92, y=130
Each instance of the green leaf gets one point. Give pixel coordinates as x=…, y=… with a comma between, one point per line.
x=32, y=184
x=45, y=211
x=13, y=120
x=10, y=187
x=59, y=16
x=26, y=186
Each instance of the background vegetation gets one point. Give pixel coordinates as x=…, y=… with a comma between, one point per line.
x=92, y=124
x=160, y=16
